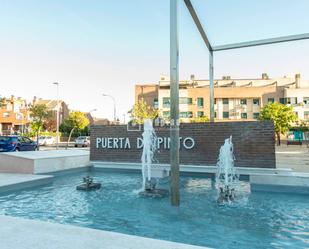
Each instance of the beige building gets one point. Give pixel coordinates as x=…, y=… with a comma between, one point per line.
x=52, y=106
x=235, y=99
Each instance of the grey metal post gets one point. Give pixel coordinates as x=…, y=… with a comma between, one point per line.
x=114, y=102
x=57, y=118
x=174, y=103
x=211, y=87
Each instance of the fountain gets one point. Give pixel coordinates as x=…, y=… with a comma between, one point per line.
x=88, y=184
x=149, y=150
x=226, y=177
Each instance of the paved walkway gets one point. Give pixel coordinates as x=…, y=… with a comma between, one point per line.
x=18, y=233
x=293, y=156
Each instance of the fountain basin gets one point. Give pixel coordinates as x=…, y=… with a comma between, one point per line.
x=259, y=220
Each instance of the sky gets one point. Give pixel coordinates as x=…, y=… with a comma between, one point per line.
x=93, y=47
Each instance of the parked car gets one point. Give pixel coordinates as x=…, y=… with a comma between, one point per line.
x=46, y=140
x=17, y=143
x=82, y=141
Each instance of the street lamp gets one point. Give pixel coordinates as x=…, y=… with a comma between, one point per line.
x=22, y=122
x=93, y=110
x=21, y=116
x=57, y=132
x=106, y=95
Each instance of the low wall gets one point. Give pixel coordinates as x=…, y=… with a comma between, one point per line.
x=254, y=143
x=39, y=162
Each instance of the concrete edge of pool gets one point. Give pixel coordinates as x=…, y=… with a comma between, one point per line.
x=20, y=233
x=13, y=182
x=42, y=162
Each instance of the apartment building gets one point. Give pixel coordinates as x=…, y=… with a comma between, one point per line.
x=14, y=115
x=235, y=99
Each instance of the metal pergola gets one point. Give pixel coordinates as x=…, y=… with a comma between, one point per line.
x=174, y=81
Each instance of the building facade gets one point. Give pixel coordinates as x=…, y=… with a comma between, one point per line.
x=14, y=116
x=235, y=99
x=52, y=106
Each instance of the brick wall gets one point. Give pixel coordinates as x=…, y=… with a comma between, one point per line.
x=254, y=143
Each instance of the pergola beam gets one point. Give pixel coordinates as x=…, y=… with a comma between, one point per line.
x=198, y=24
x=262, y=42
x=231, y=46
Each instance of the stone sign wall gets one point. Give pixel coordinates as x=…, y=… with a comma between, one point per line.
x=254, y=143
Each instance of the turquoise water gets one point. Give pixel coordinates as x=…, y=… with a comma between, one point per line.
x=257, y=220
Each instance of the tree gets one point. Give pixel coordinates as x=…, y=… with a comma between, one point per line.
x=202, y=119
x=76, y=121
x=39, y=114
x=142, y=111
x=283, y=116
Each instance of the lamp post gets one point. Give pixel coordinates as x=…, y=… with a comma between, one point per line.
x=93, y=110
x=22, y=123
x=57, y=132
x=107, y=95
x=21, y=116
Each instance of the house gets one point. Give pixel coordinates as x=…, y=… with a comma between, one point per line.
x=52, y=106
x=14, y=116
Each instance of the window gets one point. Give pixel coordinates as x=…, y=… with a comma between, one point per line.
x=225, y=101
x=244, y=115
x=243, y=102
x=270, y=100
x=166, y=114
x=200, y=102
x=185, y=100
x=215, y=101
x=19, y=116
x=256, y=115
x=226, y=115
x=185, y=114
x=306, y=101
x=9, y=107
x=166, y=102
x=256, y=101
x=155, y=103
x=26, y=140
x=282, y=101
x=306, y=115
x=6, y=114
x=200, y=114
x=182, y=100
x=215, y=114
x=291, y=101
